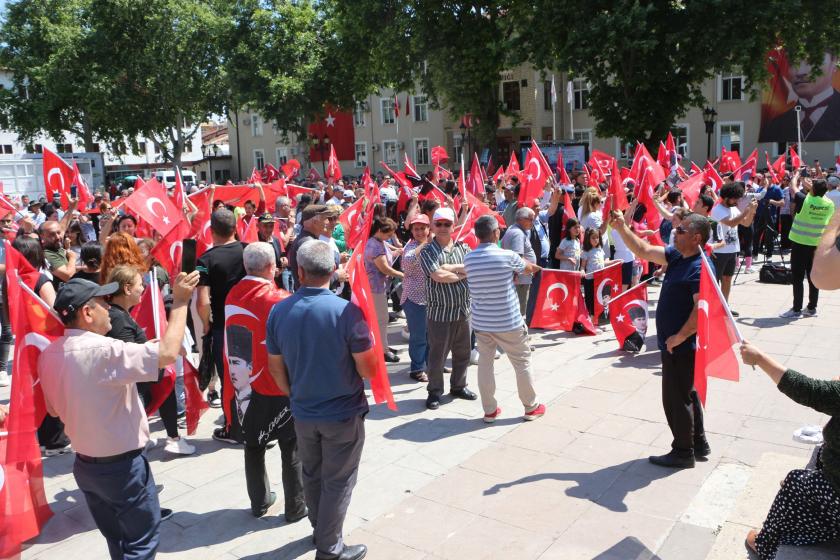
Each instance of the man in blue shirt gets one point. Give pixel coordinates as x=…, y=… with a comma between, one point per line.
x=319, y=351
x=676, y=325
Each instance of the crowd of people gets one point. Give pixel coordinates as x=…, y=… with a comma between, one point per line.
x=291, y=350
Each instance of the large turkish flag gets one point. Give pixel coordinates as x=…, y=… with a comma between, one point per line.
x=338, y=126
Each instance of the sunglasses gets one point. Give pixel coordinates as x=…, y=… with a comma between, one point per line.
x=443, y=224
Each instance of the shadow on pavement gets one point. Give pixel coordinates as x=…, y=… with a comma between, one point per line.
x=765, y=322
x=289, y=550
x=628, y=548
x=590, y=485
x=424, y=430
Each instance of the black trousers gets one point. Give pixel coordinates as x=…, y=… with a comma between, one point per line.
x=786, y=221
x=51, y=433
x=680, y=401
x=268, y=418
x=801, y=261
x=168, y=410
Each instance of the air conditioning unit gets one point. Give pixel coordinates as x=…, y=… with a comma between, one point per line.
x=375, y=147
x=246, y=121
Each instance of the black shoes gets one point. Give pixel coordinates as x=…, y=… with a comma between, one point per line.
x=165, y=513
x=352, y=552
x=702, y=448
x=433, y=402
x=262, y=511
x=294, y=518
x=464, y=393
x=392, y=358
x=674, y=460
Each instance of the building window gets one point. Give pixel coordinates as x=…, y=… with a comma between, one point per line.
x=547, y=101
x=580, y=89
x=359, y=114
x=259, y=159
x=141, y=149
x=624, y=150
x=421, y=108
x=510, y=95
x=39, y=149
x=7, y=148
x=282, y=155
x=390, y=152
x=64, y=148
x=729, y=136
x=256, y=126
x=680, y=134
x=583, y=137
x=203, y=176
x=731, y=87
x=387, y=107
x=361, y=155
x=458, y=148
x=421, y=151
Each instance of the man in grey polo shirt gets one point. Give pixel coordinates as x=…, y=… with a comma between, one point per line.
x=517, y=238
x=496, y=319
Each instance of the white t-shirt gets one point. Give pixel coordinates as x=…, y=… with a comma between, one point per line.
x=727, y=234
x=834, y=196
x=622, y=253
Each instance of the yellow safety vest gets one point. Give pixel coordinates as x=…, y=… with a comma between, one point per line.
x=810, y=222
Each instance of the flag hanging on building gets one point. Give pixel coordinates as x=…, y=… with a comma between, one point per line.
x=337, y=126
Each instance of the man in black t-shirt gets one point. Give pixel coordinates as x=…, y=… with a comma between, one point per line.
x=220, y=268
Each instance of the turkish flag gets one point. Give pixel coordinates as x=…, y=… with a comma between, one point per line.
x=747, y=170
x=150, y=315
x=200, y=226
x=82, y=190
x=24, y=507
x=561, y=169
x=179, y=195
x=250, y=234
x=691, y=188
x=338, y=126
x=556, y=306
x=628, y=313
x=729, y=160
x=795, y=160
x=313, y=174
x=583, y=319
x=536, y=174
x=168, y=252
x=270, y=173
x=601, y=165
x=58, y=176
x=475, y=182
x=499, y=174
x=410, y=172
x=646, y=193
x=153, y=205
x=716, y=334
x=712, y=177
x=513, y=166
x=291, y=168
x=380, y=385
x=695, y=168
x=333, y=167
x=439, y=155
x=607, y=285
x=644, y=164
x=568, y=209
x=616, y=197
x=354, y=221
x=6, y=205
x=196, y=404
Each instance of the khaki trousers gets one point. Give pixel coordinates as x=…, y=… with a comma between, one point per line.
x=515, y=344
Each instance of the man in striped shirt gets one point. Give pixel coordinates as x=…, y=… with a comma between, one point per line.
x=447, y=309
x=496, y=318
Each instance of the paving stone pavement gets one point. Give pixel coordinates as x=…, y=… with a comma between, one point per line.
x=575, y=484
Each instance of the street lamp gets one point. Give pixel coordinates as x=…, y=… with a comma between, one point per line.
x=709, y=119
x=463, y=128
x=321, y=143
x=205, y=152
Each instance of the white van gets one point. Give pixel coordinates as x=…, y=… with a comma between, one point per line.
x=168, y=179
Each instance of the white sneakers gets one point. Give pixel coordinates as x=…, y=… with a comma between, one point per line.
x=179, y=446
x=790, y=314
x=5, y=380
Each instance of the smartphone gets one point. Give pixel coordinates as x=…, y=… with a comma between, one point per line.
x=73, y=191
x=188, y=256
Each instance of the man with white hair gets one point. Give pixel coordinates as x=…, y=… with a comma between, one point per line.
x=268, y=416
x=517, y=238
x=319, y=352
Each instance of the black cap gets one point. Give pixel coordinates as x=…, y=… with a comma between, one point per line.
x=72, y=295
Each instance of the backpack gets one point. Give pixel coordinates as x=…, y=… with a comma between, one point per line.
x=774, y=273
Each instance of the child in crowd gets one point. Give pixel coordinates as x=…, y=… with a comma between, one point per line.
x=592, y=259
x=568, y=252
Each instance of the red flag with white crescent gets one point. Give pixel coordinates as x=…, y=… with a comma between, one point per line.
x=795, y=160
x=333, y=167
x=58, y=176
x=362, y=296
x=712, y=177
x=607, y=283
x=556, y=305
x=716, y=334
x=629, y=317
x=153, y=205
x=82, y=190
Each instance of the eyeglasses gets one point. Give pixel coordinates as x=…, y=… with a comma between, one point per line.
x=443, y=224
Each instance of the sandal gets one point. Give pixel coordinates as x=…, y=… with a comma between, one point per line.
x=419, y=376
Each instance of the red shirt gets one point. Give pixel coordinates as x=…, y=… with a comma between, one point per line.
x=247, y=305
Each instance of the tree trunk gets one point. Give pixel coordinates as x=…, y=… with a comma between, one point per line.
x=87, y=135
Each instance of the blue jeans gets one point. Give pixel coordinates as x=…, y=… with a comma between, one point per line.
x=418, y=347
x=287, y=281
x=123, y=501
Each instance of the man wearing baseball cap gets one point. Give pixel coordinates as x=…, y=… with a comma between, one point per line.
x=447, y=309
x=89, y=381
x=313, y=222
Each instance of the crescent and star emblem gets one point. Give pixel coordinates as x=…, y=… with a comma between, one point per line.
x=150, y=205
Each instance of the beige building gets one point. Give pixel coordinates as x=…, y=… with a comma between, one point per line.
x=527, y=93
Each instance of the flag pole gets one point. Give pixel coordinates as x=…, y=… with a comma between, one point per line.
x=553, y=109
x=571, y=100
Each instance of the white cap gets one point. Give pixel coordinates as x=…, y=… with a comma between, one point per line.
x=348, y=192
x=444, y=213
